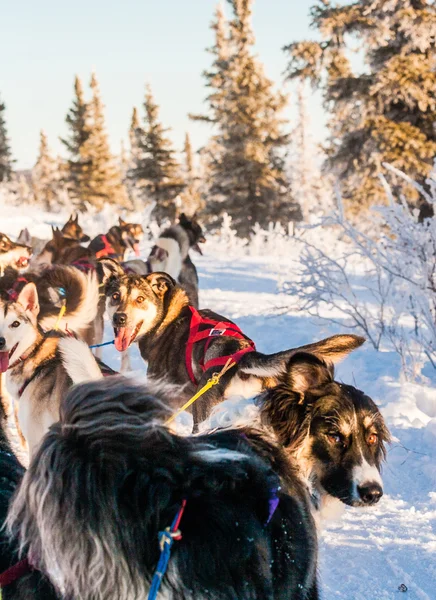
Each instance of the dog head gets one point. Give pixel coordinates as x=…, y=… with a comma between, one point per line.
x=194, y=231
x=136, y=304
x=53, y=249
x=73, y=230
x=335, y=432
x=18, y=326
x=13, y=254
x=131, y=235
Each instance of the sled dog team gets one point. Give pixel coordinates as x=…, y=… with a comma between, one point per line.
x=115, y=502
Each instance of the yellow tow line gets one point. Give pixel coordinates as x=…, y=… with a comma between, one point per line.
x=210, y=383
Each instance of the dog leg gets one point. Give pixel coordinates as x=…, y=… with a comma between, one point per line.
x=125, y=362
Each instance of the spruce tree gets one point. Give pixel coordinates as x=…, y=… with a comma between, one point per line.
x=248, y=175
x=78, y=135
x=101, y=182
x=310, y=188
x=45, y=176
x=386, y=112
x=6, y=161
x=191, y=200
x=155, y=169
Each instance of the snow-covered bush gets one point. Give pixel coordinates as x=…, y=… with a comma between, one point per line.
x=384, y=285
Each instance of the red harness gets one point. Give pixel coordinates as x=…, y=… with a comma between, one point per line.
x=211, y=328
x=15, y=572
x=13, y=292
x=83, y=264
x=107, y=250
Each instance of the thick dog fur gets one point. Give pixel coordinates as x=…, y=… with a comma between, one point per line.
x=32, y=586
x=154, y=311
x=79, y=290
x=13, y=254
x=39, y=366
x=334, y=432
x=125, y=476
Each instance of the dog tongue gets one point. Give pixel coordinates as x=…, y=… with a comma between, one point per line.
x=136, y=249
x=122, y=338
x=4, y=361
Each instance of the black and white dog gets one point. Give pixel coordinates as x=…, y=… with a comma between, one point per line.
x=332, y=431
x=110, y=476
x=170, y=254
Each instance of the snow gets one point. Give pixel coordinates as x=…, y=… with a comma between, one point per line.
x=368, y=553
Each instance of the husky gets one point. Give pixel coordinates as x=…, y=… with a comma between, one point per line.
x=242, y=530
x=13, y=254
x=118, y=241
x=334, y=432
x=185, y=347
x=71, y=230
x=40, y=366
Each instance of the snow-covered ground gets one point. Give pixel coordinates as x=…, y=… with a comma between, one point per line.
x=369, y=553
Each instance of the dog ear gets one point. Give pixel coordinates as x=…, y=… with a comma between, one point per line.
x=160, y=283
x=108, y=268
x=24, y=237
x=306, y=371
x=121, y=222
x=183, y=220
x=57, y=233
x=334, y=348
x=28, y=298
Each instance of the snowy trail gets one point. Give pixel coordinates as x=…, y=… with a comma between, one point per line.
x=368, y=554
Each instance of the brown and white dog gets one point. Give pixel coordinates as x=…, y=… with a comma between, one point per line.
x=155, y=312
x=13, y=254
x=40, y=366
x=334, y=432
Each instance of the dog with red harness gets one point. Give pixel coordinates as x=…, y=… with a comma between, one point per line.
x=184, y=347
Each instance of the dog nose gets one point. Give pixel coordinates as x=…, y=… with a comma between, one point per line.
x=120, y=319
x=370, y=493
x=2, y=343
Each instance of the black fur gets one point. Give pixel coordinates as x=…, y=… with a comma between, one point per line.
x=118, y=469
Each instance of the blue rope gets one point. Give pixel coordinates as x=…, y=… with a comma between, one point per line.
x=166, y=540
x=104, y=344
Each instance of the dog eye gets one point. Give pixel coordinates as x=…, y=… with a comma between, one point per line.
x=15, y=324
x=115, y=296
x=335, y=438
x=140, y=299
x=372, y=439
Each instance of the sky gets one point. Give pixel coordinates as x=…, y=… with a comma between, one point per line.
x=45, y=43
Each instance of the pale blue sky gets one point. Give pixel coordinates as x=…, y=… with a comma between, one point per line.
x=44, y=43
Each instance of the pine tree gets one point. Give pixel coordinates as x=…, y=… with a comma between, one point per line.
x=45, y=176
x=248, y=178
x=101, y=181
x=386, y=113
x=6, y=161
x=191, y=201
x=155, y=168
x=311, y=190
x=79, y=133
